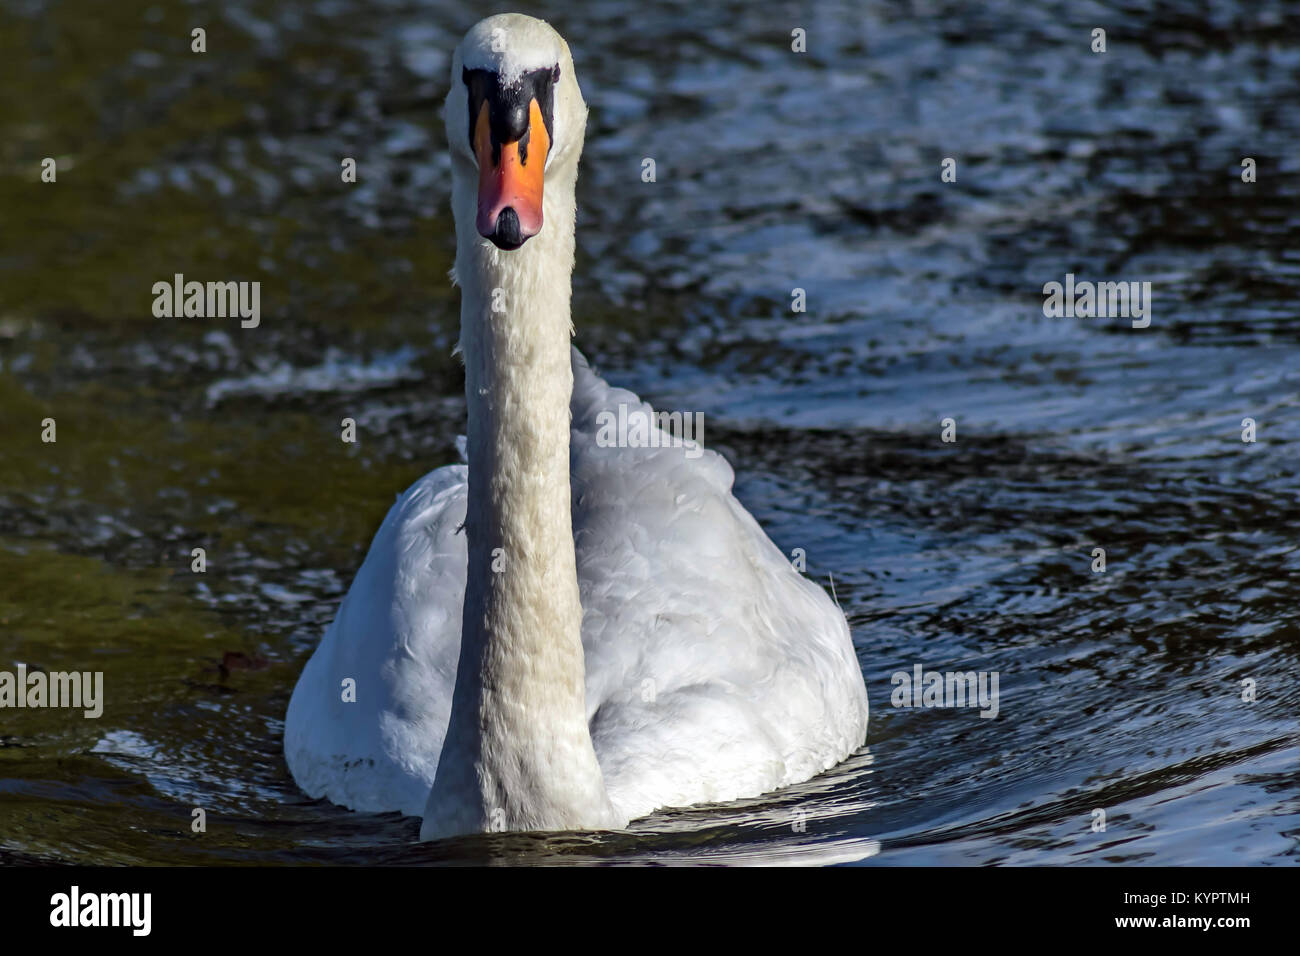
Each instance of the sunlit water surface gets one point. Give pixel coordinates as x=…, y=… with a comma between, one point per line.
x=1120, y=691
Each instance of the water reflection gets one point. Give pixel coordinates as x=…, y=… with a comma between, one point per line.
x=1120, y=691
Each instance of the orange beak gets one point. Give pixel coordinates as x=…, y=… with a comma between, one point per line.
x=510, y=177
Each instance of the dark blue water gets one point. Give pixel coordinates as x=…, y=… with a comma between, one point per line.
x=1119, y=691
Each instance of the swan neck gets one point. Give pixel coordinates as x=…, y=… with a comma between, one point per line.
x=515, y=332
x=518, y=753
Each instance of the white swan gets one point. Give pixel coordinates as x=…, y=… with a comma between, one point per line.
x=610, y=632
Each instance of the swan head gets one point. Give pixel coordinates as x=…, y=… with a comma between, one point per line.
x=515, y=117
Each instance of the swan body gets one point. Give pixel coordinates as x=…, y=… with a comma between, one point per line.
x=567, y=633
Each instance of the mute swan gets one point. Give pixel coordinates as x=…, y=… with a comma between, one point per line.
x=609, y=632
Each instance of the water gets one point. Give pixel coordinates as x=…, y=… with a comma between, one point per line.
x=1119, y=691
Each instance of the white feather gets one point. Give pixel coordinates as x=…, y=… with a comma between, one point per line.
x=714, y=670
